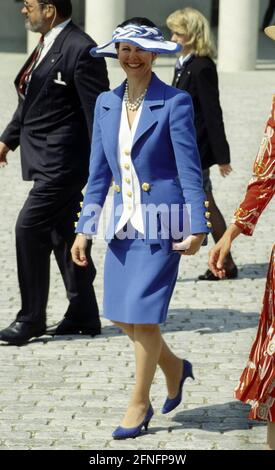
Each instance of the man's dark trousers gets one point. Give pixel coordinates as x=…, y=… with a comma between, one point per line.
x=46, y=224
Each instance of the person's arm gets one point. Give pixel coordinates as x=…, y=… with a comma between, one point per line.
x=11, y=135
x=184, y=143
x=220, y=251
x=260, y=191
x=95, y=196
x=100, y=176
x=91, y=79
x=208, y=92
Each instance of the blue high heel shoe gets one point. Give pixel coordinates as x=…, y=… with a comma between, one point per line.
x=126, y=433
x=171, y=403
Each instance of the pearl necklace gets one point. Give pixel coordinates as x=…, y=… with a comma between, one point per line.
x=133, y=106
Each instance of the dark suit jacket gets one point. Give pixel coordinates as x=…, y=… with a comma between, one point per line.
x=200, y=79
x=53, y=124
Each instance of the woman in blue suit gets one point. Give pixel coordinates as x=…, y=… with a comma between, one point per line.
x=144, y=138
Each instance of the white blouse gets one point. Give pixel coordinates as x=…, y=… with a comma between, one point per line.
x=50, y=37
x=130, y=189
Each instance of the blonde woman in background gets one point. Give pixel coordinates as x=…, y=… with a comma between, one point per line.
x=196, y=73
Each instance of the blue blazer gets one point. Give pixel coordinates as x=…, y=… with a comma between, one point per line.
x=165, y=156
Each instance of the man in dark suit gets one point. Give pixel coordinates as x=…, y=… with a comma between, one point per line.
x=57, y=89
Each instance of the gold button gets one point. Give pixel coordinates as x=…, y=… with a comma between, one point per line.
x=81, y=204
x=127, y=152
x=146, y=186
x=127, y=166
x=207, y=215
x=209, y=225
x=130, y=194
x=75, y=224
x=127, y=180
x=206, y=204
x=117, y=188
x=78, y=214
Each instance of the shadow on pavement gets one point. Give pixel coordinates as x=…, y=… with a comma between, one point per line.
x=246, y=271
x=222, y=418
x=203, y=321
x=208, y=321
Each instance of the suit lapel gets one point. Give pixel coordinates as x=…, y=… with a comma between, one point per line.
x=146, y=121
x=43, y=69
x=110, y=122
x=111, y=114
x=21, y=71
x=154, y=98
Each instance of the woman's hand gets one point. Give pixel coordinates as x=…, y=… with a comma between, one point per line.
x=78, y=250
x=190, y=245
x=220, y=251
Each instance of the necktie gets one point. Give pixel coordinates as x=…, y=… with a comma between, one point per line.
x=26, y=75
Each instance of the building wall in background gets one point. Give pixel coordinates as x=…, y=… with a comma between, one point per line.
x=13, y=37
x=12, y=29
x=13, y=34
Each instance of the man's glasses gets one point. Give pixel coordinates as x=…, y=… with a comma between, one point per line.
x=31, y=7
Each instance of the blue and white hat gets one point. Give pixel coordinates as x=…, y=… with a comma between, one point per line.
x=146, y=37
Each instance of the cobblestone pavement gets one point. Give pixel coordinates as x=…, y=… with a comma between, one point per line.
x=70, y=392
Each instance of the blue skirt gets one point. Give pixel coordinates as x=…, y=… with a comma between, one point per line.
x=139, y=280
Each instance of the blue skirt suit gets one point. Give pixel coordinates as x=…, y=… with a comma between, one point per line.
x=138, y=281
x=140, y=273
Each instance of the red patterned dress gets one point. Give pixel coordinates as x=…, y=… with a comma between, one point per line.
x=257, y=382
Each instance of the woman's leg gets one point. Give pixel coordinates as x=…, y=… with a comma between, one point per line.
x=147, y=344
x=271, y=435
x=170, y=364
x=128, y=328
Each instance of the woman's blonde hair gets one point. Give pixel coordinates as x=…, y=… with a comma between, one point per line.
x=195, y=26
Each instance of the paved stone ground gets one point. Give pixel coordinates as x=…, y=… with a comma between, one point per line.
x=69, y=393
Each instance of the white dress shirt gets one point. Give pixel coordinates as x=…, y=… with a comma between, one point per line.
x=130, y=183
x=182, y=59
x=50, y=37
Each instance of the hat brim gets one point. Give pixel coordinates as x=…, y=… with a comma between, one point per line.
x=159, y=47
x=270, y=32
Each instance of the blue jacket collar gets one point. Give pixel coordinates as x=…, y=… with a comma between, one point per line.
x=154, y=96
x=110, y=119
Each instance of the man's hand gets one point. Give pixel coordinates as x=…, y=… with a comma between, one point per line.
x=4, y=149
x=225, y=169
x=190, y=245
x=78, y=250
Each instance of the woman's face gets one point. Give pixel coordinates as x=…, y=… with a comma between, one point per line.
x=181, y=39
x=135, y=61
